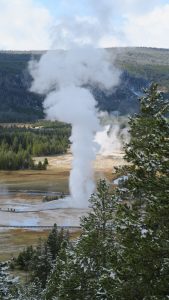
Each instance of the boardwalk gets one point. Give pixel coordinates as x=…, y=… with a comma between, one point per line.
x=15, y=211
x=41, y=227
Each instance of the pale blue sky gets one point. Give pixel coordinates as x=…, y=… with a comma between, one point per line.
x=62, y=7
x=59, y=8
x=31, y=24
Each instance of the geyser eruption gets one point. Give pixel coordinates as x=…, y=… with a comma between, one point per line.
x=64, y=77
x=76, y=105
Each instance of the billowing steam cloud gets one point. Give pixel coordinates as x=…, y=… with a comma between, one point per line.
x=111, y=139
x=113, y=136
x=95, y=28
x=63, y=77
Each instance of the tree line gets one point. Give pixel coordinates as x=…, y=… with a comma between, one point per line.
x=122, y=252
x=18, y=145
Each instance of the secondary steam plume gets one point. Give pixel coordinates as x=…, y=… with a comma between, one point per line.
x=61, y=75
x=112, y=137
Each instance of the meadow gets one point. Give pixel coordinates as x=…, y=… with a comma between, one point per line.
x=29, y=186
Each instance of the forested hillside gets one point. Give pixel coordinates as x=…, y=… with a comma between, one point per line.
x=18, y=145
x=139, y=67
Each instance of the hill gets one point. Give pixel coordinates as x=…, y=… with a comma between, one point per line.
x=139, y=67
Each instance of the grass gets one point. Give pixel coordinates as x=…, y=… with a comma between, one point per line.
x=53, y=179
x=15, y=240
x=27, y=179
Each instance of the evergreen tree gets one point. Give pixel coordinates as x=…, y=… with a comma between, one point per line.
x=41, y=264
x=8, y=284
x=46, y=162
x=31, y=291
x=25, y=257
x=143, y=226
x=148, y=148
x=55, y=278
x=80, y=272
x=55, y=239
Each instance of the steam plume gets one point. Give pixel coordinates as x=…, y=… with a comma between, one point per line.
x=113, y=136
x=61, y=75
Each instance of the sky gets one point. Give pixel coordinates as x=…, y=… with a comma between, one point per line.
x=62, y=24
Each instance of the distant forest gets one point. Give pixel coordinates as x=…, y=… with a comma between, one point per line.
x=139, y=67
x=18, y=145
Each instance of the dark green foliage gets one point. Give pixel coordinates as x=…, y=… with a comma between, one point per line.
x=78, y=273
x=37, y=142
x=17, y=103
x=8, y=284
x=40, y=166
x=10, y=160
x=31, y=291
x=143, y=227
x=41, y=264
x=46, y=162
x=17, y=145
x=53, y=285
x=39, y=260
x=55, y=240
x=24, y=258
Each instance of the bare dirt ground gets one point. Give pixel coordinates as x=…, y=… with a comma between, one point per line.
x=102, y=165
x=63, y=162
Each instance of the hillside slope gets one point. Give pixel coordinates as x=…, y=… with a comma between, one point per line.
x=139, y=67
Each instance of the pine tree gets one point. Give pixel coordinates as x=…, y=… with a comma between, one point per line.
x=55, y=239
x=148, y=148
x=142, y=228
x=8, y=284
x=31, y=291
x=55, y=278
x=25, y=257
x=41, y=264
x=45, y=162
x=80, y=271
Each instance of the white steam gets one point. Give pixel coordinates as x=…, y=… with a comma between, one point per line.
x=63, y=76
x=112, y=139
x=76, y=105
x=85, y=30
